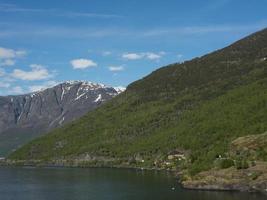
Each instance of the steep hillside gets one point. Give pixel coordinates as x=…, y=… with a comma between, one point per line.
x=243, y=167
x=183, y=116
x=27, y=116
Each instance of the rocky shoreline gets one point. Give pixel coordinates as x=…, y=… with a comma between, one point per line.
x=252, y=179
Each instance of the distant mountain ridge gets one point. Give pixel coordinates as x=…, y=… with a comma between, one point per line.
x=38, y=112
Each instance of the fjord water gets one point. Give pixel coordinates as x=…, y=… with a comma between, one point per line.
x=101, y=184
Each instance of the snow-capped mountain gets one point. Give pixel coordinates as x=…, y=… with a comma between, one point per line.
x=24, y=117
x=120, y=89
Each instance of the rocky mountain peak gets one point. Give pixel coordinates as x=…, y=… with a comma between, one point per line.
x=27, y=116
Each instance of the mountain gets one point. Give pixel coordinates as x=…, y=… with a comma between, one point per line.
x=27, y=116
x=183, y=117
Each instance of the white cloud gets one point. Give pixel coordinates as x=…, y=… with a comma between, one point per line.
x=10, y=53
x=38, y=72
x=7, y=53
x=47, y=84
x=153, y=56
x=17, y=90
x=82, y=63
x=8, y=56
x=143, y=55
x=116, y=68
x=132, y=56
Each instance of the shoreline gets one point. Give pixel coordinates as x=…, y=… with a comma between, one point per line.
x=192, y=184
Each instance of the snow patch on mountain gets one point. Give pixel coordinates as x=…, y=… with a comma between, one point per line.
x=99, y=98
x=120, y=89
x=78, y=97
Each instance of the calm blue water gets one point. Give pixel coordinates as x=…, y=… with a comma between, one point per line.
x=100, y=184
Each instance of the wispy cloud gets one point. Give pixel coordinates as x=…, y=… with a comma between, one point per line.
x=4, y=85
x=191, y=30
x=132, y=56
x=37, y=72
x=47, y=84
x=59, y=32
x=116, y=68
x=8, y=56
x=2, y=72
x=106, y=53
x=17, y=90
x=8, y=62
x=85, y=14
x=215, y=4
x=55, y=12
x=6, y=7
x=143, y=55
x=84, y=32
x=10, y=53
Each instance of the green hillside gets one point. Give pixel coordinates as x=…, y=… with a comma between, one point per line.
x=191, y=111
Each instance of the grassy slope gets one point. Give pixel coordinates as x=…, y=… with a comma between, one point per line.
x=199, y=106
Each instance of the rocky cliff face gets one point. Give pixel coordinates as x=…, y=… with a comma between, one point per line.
x=27, y=116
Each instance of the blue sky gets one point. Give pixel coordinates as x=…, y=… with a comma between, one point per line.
x=113, y=42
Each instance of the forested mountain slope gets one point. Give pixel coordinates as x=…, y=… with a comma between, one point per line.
x=182, y=116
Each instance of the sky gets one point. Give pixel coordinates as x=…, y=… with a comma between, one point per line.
x=43, y=43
